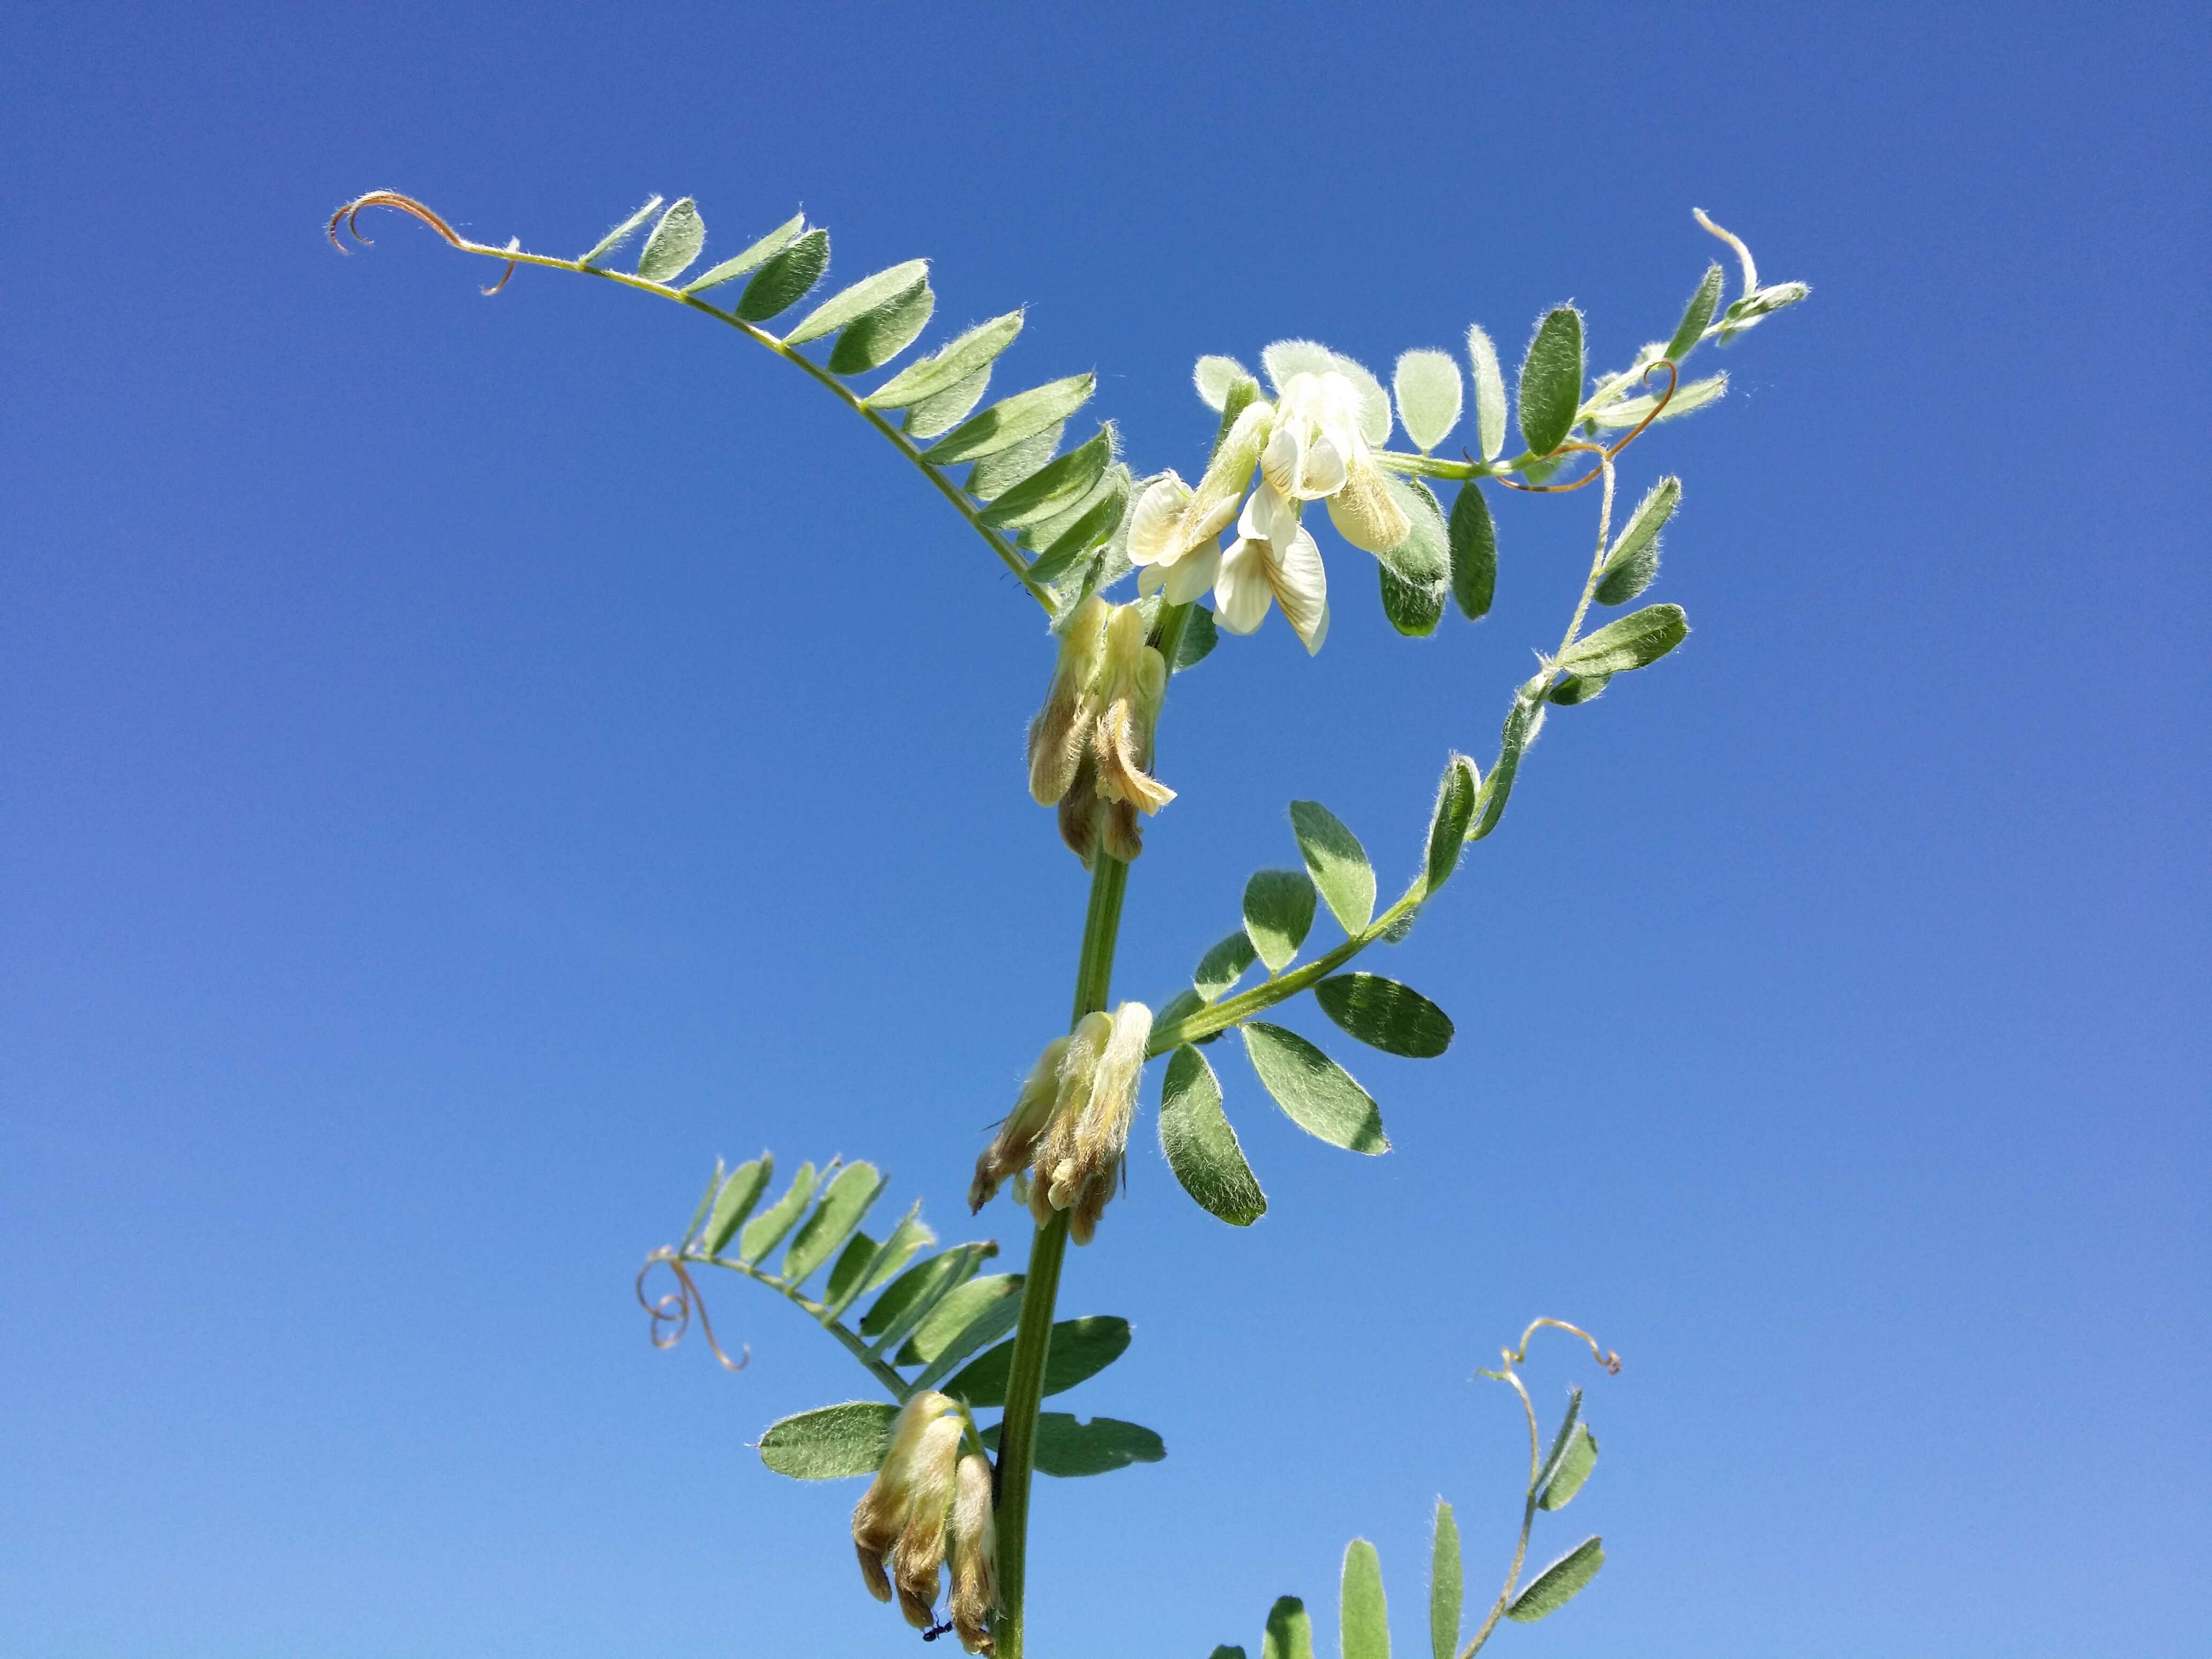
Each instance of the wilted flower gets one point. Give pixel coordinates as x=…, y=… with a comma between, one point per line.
x=1090, y=745
x=1273, y=559
x=974, y=1556
x=1010, y=1149
x=1078, y=1163
x=901, y=1517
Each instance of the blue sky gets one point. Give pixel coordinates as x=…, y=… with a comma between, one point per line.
x=470, y=763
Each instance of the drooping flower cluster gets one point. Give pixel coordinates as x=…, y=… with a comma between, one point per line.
x=1316, y=441
x=1063, y=1143
x=1090, y=745
x=929, y=1501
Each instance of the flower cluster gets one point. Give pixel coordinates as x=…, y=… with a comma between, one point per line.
x=1315, y=443
x=1062, y=1144
x=929, y=1500
x=1090, y=745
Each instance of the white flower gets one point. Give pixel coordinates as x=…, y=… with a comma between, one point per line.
x=1319, y=450
x=1172, y=527
x=1274, y=560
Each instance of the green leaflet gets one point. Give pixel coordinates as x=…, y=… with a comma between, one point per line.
x=783, y=282
x=1429, y=393
x=1201, y=1146
x=1080, y=1349
x=1489, y=392
x=844, y=1201
x=1213, y=376
x=1010, y=420
x=1634, y=558
x=917, y=1290
x=850, y=303
x=874, y=337
x=1222, y=966
x=1182, y=1006
x=1290, y=1632
x=1552, y=380
x=1420, y=560
x=1637, y=641
x=621, y=233
x=1445, y=1586
x=1337, y=863
x=1579, y=687
x=1000, y=471
x=1698, y=313
x=1559, y=1441
x=945, y=410
x=1200, y=637
x=766, y=1230
x=706, y=1199
x=735, y=1199
x=1385, y=1015
x=674, y=244
x=1570, y=1468
x=1415, y=610
x=1068, y=1448
x=1498, y=786
x=950, y=1319
x=1315, y=1092
x=1455, y=808
x=1225, y=1651
x=756, y=254
x=1073, y=534
x=831, y=1443
x=1054, y=488
x=1473, y=540
x=1686, y=400
x=1363, y=1616
x=1279, y=912
x=1558, y=1583
x=911, y=1235
x=846, y=1272
x=948, y=365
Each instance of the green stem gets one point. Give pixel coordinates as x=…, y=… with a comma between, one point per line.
x=1094, y=974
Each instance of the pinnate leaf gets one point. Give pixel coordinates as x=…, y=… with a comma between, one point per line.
x=1279, y=912
x=1552, y=380
x=783, y=282
x=1637, y=639
x=1315, y=1092
x=848, y=303
x=753, y=256
x=832, y=1443
x=948, y=365
x=1385, y=1015
x=674, y=244
x=1080, y=1349
x=1201, y=1146
x=1558, y=1583
x=1429, y=393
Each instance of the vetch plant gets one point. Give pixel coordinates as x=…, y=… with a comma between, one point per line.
x=943, y=1526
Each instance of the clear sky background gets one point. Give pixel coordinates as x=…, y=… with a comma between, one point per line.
x=468, y=763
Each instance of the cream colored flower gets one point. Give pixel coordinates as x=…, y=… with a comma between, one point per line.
x=1274, y=560
x=916, y=1474
x=974, y=1556
x=1331, y=415
x=1172, y=525
x=1078, y=1158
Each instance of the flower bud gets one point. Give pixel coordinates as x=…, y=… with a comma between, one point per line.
x=1061, y=731
x=1134, y=684
x=1090, y=745
x=881, y=1519
x=1078, y=1158
x=1009, y=1150
x=974, y=1556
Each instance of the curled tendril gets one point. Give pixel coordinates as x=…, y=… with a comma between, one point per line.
x=350, y=216
x=1674, y=379
x=1605, y=1357
x=676, y=1307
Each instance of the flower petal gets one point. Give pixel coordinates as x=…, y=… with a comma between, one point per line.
x=1299, y=581
x=1324, y=471
x=1243, y=590
x=1364, y=513
x=1155, y=522
x=1226, y=475
x=1191, y=575
x=1285, y=457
